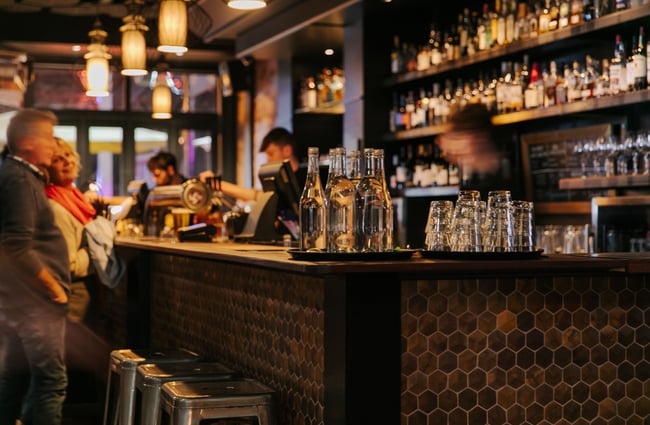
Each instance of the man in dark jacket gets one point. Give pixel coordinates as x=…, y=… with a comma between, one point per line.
x=34, y=278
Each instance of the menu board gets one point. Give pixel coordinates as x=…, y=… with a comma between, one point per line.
x=553, y=155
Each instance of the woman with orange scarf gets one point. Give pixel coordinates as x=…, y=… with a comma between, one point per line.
x=72, y=211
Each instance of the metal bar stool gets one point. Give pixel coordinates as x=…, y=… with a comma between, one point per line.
x=189, y=403
x=118, y=409
x=150, y=377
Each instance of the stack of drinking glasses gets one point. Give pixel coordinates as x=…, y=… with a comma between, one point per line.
x=499, y=225
x=354, y=211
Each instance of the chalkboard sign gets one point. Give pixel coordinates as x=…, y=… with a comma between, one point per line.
x=553, y=155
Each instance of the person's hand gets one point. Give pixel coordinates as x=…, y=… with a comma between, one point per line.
x=204, y=175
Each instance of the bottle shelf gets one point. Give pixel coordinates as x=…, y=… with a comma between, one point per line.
x=607, y=21
x=335, y=108
x=612, y=182
x=588, y=105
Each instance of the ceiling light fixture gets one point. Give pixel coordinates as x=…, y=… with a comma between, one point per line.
x=161, y=98
x=247, y=4
x=172, y=26
x=97, y=68
x=134, y=46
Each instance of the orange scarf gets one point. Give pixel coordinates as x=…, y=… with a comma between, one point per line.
x=72, y=200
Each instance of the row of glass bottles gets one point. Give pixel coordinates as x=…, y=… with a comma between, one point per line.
x=354, y=212
x=519, y=86
x=327, y=87
x=505, y=23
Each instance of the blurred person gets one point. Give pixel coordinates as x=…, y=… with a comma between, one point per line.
x=73, y=212
x=469, y=141
x=163, y=168
x=35, y=278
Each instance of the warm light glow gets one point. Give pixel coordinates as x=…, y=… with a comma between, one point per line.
x=134, y=46
x=329, y=52
x=161, y=99
x=172, y=26
x=246, y=4
x=97, y=67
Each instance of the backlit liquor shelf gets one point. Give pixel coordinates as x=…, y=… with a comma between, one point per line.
x=588, y=105
x=602, y=23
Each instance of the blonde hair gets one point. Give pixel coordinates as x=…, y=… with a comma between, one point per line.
x=65, y=146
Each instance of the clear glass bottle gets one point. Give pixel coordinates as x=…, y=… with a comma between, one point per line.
x=340, y=206
x=369, y=208
x=312, y=207
x=388, y=203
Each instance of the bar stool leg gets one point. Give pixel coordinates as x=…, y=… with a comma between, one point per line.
x=108, y=408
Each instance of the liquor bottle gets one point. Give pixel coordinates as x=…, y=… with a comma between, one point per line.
x=544, y=18
x=494, y=23
x=369, y=208
x=576, y=12
x=396, y=57
x=561, y=89
x=516, y=92
x=434, y=42
x=312, y=207
x=522, y=29
x=554, y=12
x=630, y=64
x=647, y=47
x=510, y=22
x=531, y=96
x=330, y=171
x=617, y=70
x=340, y=206
x=500, y=9
x=483, y=31
x=550, y=80
x=640, y=63
x=620, y=5
x=564, y=14
x=387, y=203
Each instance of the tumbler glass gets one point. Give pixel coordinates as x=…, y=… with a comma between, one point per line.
x=524, y=222
x=466, y=223
x=438, y=226
x=500, y=231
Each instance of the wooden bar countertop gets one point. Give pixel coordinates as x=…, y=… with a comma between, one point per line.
x=278, y=258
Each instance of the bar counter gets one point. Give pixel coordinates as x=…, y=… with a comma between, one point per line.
x=418, y=341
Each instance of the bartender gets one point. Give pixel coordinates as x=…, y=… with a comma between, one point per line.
x=278, y=145
x=163, y=169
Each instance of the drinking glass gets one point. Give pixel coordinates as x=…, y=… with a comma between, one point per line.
x=438, y=226
x=499, y=233
x=524, y=223
x=466, y=223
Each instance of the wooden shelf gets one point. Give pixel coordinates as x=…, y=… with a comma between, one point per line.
x=337, y=108
x=588, y=105
x=612, y=182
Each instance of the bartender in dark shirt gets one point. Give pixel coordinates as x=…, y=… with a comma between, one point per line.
x=278, y=145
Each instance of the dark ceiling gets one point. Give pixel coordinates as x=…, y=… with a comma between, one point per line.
x=46, y=30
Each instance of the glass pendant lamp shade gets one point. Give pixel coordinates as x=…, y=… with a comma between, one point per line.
x=246, y=4
x=172, y=26
x=134, y=46
x=97, y=67
x=161, y=100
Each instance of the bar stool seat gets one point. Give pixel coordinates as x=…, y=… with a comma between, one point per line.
x=150, y=378
x=189, y=403
x=123, y=363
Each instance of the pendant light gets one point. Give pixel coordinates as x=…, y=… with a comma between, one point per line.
x=97, y=69
x=247, y=4
x=134, y=46
x=172, y=26
x=161, y=97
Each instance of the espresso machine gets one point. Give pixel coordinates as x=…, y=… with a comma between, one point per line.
x=192, y=195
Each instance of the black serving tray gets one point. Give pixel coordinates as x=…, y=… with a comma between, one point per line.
x=455, y=255
x=402, y=254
